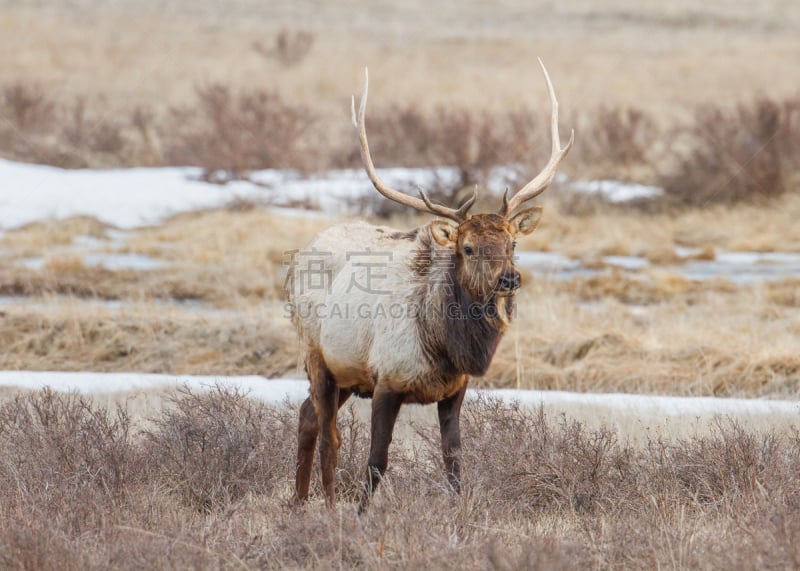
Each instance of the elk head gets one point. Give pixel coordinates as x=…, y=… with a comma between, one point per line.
x=483, y=243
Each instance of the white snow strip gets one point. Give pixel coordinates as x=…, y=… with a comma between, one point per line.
x=139, y=262
x=627, y=262
x=615, y=190
x=545, y=261
x=128, y=198
x=295, y=390
x=267, y=390
x=125, y=198
x=647, y=405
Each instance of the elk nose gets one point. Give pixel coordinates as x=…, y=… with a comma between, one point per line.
x=509, y=281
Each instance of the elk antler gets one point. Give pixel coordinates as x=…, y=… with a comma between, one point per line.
x=542, y=180
x=425, y=205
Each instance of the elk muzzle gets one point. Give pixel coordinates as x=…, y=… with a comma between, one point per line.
x=509, y=281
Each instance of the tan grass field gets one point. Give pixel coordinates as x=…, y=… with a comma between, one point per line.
x=661, y=57
x=217, y=306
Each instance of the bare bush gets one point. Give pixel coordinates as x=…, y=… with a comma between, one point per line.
x=79, y=491
x=26, y=106
x=747, y=153
x=728, y=466
x=228, y=134
x=55, y=443
x=150, y=152
x=65, y=466
x=351, y=467
x=214, y=448
x=467, y=142
x=94, y=135
x=617, y=142
x=744, y=154
x=39, y=129
x=545, y=466
x=289, y=48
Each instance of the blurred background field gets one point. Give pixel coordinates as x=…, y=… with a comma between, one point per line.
x=701, y=100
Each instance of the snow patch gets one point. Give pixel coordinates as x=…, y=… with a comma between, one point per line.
x=295, y=390
x=138, y=262
x=627, y=262
x=128, y=198
x=615, y=190
x=125, y=198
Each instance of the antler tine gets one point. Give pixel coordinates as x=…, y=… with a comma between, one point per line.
x=424, y=205
x=542, y=180
x=504, y=211
x=459, y=214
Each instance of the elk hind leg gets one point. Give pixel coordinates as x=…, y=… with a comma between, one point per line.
x=307, y=431
x=327, y=398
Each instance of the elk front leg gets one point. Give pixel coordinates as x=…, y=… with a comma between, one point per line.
x=450, y=428
x=385, y=408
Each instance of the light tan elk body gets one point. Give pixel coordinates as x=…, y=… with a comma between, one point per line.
x=404, y=316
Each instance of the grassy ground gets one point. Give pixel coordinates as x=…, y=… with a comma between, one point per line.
x=217, y=307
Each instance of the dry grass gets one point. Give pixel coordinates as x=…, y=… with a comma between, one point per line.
x=84, y=489
x=698, y=342
x=598, y=50
x=610, y=231
x=74, y=336
x=208, y=258
x=740, y=342
x=217, y=307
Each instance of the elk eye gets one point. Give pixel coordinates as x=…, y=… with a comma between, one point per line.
x=514, y=245
x=468, y=250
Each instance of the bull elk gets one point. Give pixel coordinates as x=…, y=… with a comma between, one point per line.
x=444, y=299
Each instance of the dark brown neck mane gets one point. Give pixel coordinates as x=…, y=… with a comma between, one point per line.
x=459, y=334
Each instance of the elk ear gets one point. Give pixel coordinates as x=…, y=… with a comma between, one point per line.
x=526, y=221
x=445, y=234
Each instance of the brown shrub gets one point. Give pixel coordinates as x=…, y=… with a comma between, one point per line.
x=748, y=153
x=725, y=468
x=541, y=466
x=289, y=48
x=470, y=142
x=228, y=134
x=616, y=142
x=74, y=134
x=64, y=464
x=79, y=491
x=744, y=154
x=96, y=135
x=26, y=106
x=54, y=442
x=212, y=449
